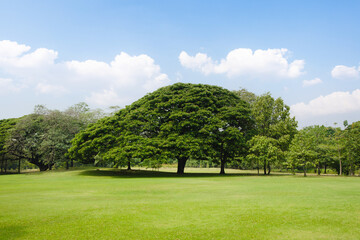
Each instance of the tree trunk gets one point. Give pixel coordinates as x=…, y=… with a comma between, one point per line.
x=318, y=169
x=181, y=165
x=67, y=165
x=41, y=166
x=325, y=168
x=269, y=169
x=304, y=168
x=19, y=165
x=340, y=164
x=72, y=163
x=2, y=164
x=222, y=166
x=258, y=169
x=129, y=166
x=264, y=167
x=5, y=168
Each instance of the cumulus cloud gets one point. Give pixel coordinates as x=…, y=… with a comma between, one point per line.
x=343, y=72
x=307, y=83
x=124, y=70
x=14, y=56
x=245, y=62
x=334, y=103
x=127, y=76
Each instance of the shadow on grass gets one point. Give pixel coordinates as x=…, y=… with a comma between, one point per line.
x=120, y=173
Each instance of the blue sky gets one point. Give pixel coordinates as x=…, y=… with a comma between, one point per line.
x=107, y=53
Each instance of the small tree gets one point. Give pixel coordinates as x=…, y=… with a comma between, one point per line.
x=301, y=152
x=273, y=122
x=264, y=150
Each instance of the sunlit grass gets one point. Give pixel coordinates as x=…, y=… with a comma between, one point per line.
x=108, y=204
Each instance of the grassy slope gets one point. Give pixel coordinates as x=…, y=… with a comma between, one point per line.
x=89, y=204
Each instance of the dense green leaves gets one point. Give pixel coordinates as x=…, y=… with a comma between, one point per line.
x=302, y=150
x=264, y=151
x=43, y=138
x=177, y=123
x=5, y=126
x=320, y=146
x=180, y=121
x=352, y=143
x=275, y=130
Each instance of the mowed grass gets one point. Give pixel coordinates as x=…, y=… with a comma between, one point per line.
x=107, y=204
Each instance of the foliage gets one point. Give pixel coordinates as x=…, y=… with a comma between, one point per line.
x=43, y=138
x=246, y=96
x=274, y=127
x=352, y=146
x=302, y=152
x=264, y=151
x=5, y=126
x=331, y=147
x=179, y=121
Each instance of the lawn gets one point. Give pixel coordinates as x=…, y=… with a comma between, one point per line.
x=107, y=204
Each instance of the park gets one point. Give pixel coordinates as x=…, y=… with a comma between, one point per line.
x=188, y=161
x=179, y=120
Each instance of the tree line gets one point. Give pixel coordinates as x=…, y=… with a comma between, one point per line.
x=43, y=137
x=178, y=123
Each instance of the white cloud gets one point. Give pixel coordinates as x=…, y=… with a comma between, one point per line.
x=245, y=62
x=123, y=71
x=9, y=49
x=129, y=77
x=343, y=72
x=105, y=98
x=334, y=103
x=50, y=89
x=307, y=83
x=14, y=56
x=200, y=62
x=7, y=85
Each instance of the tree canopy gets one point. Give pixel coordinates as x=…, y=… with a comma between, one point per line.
x=43, y=137
x=180, y=121
x=177, y=123
x=274, y=128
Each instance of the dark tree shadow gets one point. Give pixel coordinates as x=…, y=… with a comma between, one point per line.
x=120, y=173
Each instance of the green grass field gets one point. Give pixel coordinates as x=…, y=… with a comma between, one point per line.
x=90, y=204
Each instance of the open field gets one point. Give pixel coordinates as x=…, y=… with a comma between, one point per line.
x=106, y=204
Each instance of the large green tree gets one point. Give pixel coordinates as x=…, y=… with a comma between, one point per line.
x=180, y=117
x=43, y=138
x=24, y=141
x=180, y=121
